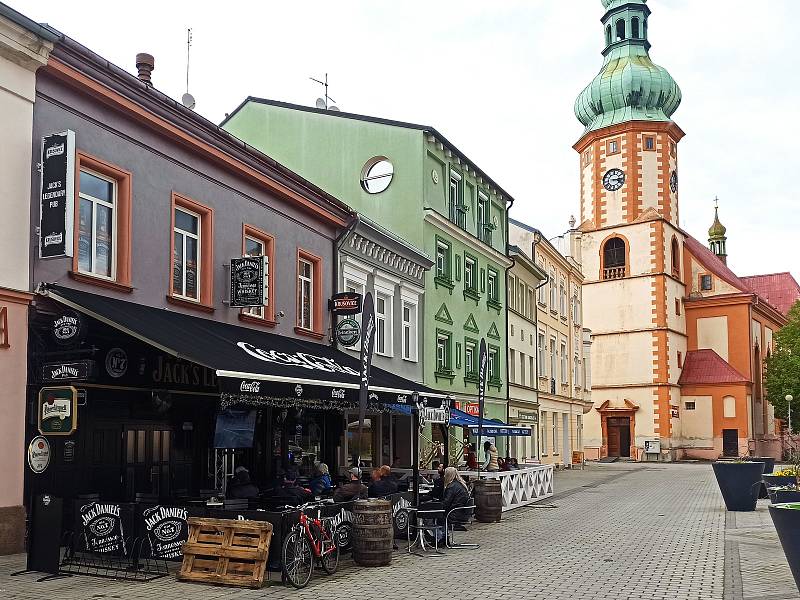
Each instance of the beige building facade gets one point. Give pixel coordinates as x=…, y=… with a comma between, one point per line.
x=557, y=342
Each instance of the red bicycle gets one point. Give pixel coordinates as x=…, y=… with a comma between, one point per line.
x=310, y=539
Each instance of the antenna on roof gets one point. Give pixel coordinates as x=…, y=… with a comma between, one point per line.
x=326, y=103
x=187, y=99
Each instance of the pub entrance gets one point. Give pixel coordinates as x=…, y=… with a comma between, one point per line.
x=730, y=442
x=619, y=437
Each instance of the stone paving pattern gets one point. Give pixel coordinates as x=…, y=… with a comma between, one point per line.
x=612, y=532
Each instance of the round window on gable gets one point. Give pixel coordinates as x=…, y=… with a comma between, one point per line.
x=377, y=175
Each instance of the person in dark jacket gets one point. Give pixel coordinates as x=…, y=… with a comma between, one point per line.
x=438, y=483
x=456, y=495
x=241, y=486
x=383, y=484
x=290, y=493
x=322, y=480
x=353, y=489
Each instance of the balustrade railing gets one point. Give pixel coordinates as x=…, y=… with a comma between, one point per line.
x=614, y=273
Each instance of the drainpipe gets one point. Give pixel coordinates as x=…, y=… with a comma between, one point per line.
x=537, y=237
x=338, y=242
x=505, y=285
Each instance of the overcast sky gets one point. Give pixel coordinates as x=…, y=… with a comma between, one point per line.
x=499, y=78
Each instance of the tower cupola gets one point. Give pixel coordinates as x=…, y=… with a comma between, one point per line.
x=716, y=236
x=629, y=86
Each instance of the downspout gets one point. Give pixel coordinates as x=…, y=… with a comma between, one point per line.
x=536, y=239
x=505, y=286
x=338, y=242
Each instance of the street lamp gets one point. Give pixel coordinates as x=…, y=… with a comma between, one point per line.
x=789, y=399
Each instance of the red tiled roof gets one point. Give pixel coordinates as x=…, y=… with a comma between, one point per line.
x=781, y=290
x=712, y=262
x=703, y=367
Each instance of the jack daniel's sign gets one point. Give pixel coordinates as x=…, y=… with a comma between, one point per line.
x=68, y=371
x=248, y=281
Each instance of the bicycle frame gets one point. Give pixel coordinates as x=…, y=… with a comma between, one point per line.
x=325, y=538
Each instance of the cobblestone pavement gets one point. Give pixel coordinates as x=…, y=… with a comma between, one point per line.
x=611, y=532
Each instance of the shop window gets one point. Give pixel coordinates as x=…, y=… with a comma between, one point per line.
x=192, y=243
x=103, y=234
x=4, y=327
x=309, y=299
x=257, y=243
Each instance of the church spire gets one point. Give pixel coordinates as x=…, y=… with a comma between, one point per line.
x=629, y=87
x=716, y=236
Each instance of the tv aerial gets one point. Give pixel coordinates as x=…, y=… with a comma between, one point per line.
x=187, y=99
x=325, y=103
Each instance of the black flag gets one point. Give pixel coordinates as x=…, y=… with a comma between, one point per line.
x=483, y=359
x=367, y=346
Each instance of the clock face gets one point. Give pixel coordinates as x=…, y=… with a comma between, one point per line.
x=613, y=179
x=673, y=182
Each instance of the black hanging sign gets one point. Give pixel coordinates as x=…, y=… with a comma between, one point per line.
x=483, y=359
x=248, y=281
x=79, y=370
x=367, y=346
x=102, y=526
x=167, y=530
x=57, y=191
x=345, y=303
x=68, y=329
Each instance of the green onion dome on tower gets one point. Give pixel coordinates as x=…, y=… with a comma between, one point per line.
x=629, y=86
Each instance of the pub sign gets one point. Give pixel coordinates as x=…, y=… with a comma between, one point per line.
x=56, y=194
x=249, y=277
x=345, y=303
x=78, y=370
x=58, y=410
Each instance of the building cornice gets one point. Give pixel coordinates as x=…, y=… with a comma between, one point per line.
x=23, y=41
x=444, y=224
x=669, y=127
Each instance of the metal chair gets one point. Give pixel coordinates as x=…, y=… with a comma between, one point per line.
x=422, y=528
x=449, y=529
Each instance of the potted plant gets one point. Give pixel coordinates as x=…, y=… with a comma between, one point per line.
x=782, y=477
x=786, y=518
x=784, y=485
x=783, y=494
x=740, y=482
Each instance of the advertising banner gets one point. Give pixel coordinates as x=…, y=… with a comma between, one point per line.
x=57, y=193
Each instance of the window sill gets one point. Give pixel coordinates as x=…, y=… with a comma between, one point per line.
x=189, y=304
x=471, y=378
x=470, y=293
x=384, y=354
x=494, y=304
x=264, y=322
x=411, y=360
x=309, y=333
x=495, y=383
x=444, y=282
x=100, y=282
x=448, y=375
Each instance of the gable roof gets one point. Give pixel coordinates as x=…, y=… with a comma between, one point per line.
x=781, y=290
x=712, y=262
x=704, y=367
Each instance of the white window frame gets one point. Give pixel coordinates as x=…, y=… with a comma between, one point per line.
x=198, y=237
x=563, y=298
x=491, y=283
x=544, y=436
x=113, y=205
x=553, y=357
x=512, y=372
x=541, y=341
x=577, y=371
x=521, y=368
x=301, y=279
x=564, y=362
x=512, y=290
x=470, y=274
x=490, y=363
x=555, y=433
x=553, y=290
x=542, y=292
x=442, y=343
x=409, y=326
x=443, y=270
x=470, y=366
x=258, y=311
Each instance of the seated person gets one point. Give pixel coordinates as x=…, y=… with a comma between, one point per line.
x=322, y=480
x=383, y=484
x=240, y=485
x=353, y=489
x=472, y=458
x=438, y=482
x=290, y=493
x=456, y=495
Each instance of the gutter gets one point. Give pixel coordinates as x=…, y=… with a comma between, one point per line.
x=43, y=31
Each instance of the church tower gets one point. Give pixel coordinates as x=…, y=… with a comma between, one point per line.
x=717, y=240
x=631, y=245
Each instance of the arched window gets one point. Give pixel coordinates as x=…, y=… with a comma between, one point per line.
x=635, y=28
x=608, y=35
x=614, y=258
x=620, y=30
x=676, y=258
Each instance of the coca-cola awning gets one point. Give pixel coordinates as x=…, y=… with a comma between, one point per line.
x=252, y=366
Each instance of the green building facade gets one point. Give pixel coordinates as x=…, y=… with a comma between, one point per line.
x=413, y=182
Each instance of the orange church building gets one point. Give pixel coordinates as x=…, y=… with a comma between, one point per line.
x=678, y=339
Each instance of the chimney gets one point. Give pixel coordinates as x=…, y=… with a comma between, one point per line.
x=145, y=63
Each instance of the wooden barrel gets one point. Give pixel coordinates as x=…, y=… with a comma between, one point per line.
x=373, y=532
x=488, y=500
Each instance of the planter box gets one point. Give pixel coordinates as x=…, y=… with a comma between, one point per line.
x=786, y=518
x=779, y=480
x=778, y=496
x=769, y=462
x=740, y=483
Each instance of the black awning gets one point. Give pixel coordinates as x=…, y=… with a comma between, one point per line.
x=252, y=366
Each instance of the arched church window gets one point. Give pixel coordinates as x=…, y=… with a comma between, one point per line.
x=635, y=28
x=676, y=258
x=614, y=258
x=608, y=35
x=620, y=30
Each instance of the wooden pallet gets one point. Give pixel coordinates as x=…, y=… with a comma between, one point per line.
x=226, y=552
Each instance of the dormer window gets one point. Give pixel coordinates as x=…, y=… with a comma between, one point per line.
x=635, y=28
x=620, y=30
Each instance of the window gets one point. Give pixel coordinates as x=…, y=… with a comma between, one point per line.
x=512, y=287
x=102, y=238
x=553, y=357
x=443, y=261
x=543, y=436
x=383, y=324
x=635, y=28
x=96, y=225
x=729, y=407
x=483, y=220
x=613, y=147
x=553, y=292
x=531, y=304
x=186, y=255
x=542, y=291
x=532, y=370
x=562, y=299
x=620, y=25
x=706, y=283
x=521, y=368
x=680, y=359
x=491, y=285
x=493, y=364
x=512, y=361
x=614, y=258
x=677, y=306
x=4, y=343
x=541, y=350
x=258, y=243
x=676, y=258
x=377, y=175
x=443, y=354
x=649, y=142
x=673, y=148
x=564, y=367
x=521, y=296
x=309, y=302
x=587, y=157
x=689, y=405
x=576, y=308
x=555, y=433
x=409, y=331
x=470, y=358
x=456, y=208
x=576, y=371
x=470, y=274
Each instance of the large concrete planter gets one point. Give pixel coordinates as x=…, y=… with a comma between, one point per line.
x=778, y=480
x=786, y=518
x=740, y=483
x=779, y=496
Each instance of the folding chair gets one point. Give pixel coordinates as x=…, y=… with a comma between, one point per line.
x=449, y=528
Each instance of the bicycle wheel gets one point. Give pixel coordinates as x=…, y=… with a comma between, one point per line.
x=298, y=559
x=330, y=557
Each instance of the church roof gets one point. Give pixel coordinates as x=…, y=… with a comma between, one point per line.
x=706, y=367
x=781, y=290
x=712, y=262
